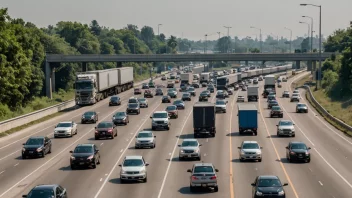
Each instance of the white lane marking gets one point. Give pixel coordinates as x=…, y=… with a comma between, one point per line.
x=207, y=140
x=205, y=154
x=2, y=172
x=106, y=174
x=315, y=114
x=118, y=160
x=121, y=150
x=102, y=144
x=54, y=157
x=101, y=179
x=310, y=170
x=320, y=183
x=333, y=168
x=10, y=154
x=169, y=153
x=16, y=164
x=173, y=152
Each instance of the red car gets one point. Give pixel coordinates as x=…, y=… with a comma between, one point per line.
x=172, y=111
x=148, y=94
x=137, y=91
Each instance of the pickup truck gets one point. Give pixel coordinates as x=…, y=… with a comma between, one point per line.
x=247, y=118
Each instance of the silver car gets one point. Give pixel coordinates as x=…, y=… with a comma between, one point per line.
x=295, y=97
x=203, y=175
x=301, y=107
x=190, y=148
x=220, y=106
x=133, y=168
x=286, y=128
x=145, y=139
x=65, y=129
x=250, y=150
x=143, y=102
x=240, y=98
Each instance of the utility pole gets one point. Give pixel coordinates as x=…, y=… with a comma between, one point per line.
x=260, y=37
x=159, y=35
x=290, y=38
x=205, y=50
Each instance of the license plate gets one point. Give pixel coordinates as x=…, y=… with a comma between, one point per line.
x=30, y=151
x=103, y=133
x=81, y=163
x=132, y=177
x=250, y=156
x=189, y=155
x=204, y=185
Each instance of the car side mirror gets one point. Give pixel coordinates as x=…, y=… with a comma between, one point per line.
x=285, y=184
x=120, y=165
x=239, y=147
x=24, y=144
x=24, y=195
x=155, y=136
x=151, y=117
x=277, y=125
x=309, y=148
x=179, y=145
x=252, y=184
x=286, y=147
x=71, y=151
x=189, y=170
x=261, y=147
x=200, y=144
x=146, y=164
x=216, y=170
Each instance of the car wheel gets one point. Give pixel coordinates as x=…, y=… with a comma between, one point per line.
x=153, y=128
x=307, y=111
x=145, y=180
x=199, y=158
x=277, y=134
x=94, y=166
x=241, y=160
x=294, y=135
x=260, y=160
x=154, y=145
x=112, y=136
x=96, y=138
x=49, y=150
x=167, y=128
x=76, y=132
x=216, y=189
x=43, y=153
x=308, y=161
x=24, y=157
x=71, y=134
x=82, y=122
x=180, y=158
x=73, y=167
x=116, y=134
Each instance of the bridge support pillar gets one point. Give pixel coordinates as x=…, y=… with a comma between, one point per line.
x=48, y=87
x=84, y=67
x=53, y=88
x=309, y=65
x=314, y=66
x=118, y=64
x=246, y=63
x=298, y=64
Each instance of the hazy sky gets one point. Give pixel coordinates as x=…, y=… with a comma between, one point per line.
x=190, y=18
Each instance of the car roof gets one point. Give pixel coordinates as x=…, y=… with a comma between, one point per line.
x=250, y=142
x=66, y=122
x=134, y=157
x=36, y=137
x=190, y=139
x=45, y=186
x=160, y=112
x=203, y=164
x=301, y=104
x=268, y=177
x=285, y=121
x=85, y=144
x=296, y=142
x=145, y=131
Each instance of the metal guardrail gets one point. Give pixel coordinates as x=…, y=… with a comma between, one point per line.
x=36, y=115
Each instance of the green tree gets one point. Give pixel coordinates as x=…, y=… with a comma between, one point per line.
x=147, y=34
x=223, y=44
x=172, y=43
x=107, y=48
x=329, y=80
x=95, y=27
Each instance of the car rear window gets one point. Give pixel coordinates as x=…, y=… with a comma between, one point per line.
x=42, y=193
x=83, y=149
x=104, y=125
x=203, y=169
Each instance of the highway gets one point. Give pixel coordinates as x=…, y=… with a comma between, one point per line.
x=327, y=175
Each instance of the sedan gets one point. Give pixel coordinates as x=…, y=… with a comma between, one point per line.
x=37, y=146
x=85, y=155
x=172, y=111
x=143, y=102
x=276, y=111
x=120, y=118
x=297, y=151
x=220, y=94
x=166, y=99
x=207, y=92
x=148, y=94
x=244, y=88
x=286, y=94
x=192, y=91
x=89, y=117
x=230, y=91
x=133, y=108
x=250, y=150
x=240, y=98
x=159, y=92
x=301, y=107
x=137, y=91
x=145, y=86
x=268, y=186
x=133, y=168
x=220, y=106
x=65, y=129
x=145, y=139
x=186, y=97
x=204, y=84
x=179, y=104
x=272, y=103
x=48, y=190
x=203, y=97
x=105, y=129
x=114, y=100
x=172, y=93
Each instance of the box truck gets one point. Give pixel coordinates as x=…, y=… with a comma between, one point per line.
x=204, y=119
x=247, y=118
x=252, y=93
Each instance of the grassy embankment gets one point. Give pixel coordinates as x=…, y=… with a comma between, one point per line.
x=339, y=108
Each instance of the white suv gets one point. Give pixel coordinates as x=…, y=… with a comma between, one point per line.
x=250, y=150
x=160, y=119
x=133, y=168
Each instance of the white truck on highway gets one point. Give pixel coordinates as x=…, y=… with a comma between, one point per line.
x=204, y=77
x=186, y=78
x=93, y=86
x=269, y=82
x=252, y=93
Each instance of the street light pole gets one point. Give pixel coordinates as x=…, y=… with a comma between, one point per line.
x=260, y=37
x=308, y=31
x=158, y=28
x=290, y=38
x=228, y=35
x=205, y=50
x=311, y=29
x=319, y=71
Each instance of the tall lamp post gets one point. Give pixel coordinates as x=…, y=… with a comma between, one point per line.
x=319, y=70
x=159, y=35
x=205, y=49
x=308, y=31
x=290, y=38
x=311, y=29
x=228, y=35
x=260, y=37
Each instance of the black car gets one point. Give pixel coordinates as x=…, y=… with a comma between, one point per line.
x=166, y=99
x=186, y=96
x=192, y=91
x=114, y=100
x=36, y=146
x=179, y=104
x=220, y=94
x=297, y=151
x=89, y=117
x=159, y=92
x=204, y=84
x=203, y=97
x=49, y=190
x=183, y=88
x=195, y=84
x=85, y=155
x=272, y=103
x=120, y=118
x=133, y=108
x=268, y=186
x=276, y=111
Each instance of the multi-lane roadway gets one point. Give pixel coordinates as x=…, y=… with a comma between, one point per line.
x=327, y=175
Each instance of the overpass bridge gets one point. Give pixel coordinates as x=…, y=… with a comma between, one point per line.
x=311, y=58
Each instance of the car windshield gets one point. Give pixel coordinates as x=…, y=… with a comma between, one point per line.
x=276, y=108
x=286, y=123
x=83, y=149
x=273, y=102
x=301, y=105
x=132, y=105
x=105, y=125
x=185, y=95
x=159, y=90
x=132, y=101
x=170, y=108
x=294, y=95
x=286, y=92
x=250, y=146
x=203, y=169
x=133, y=162
x=119, y=114
x=89, y=113
x=298, y=146
x=141, y=99
x=35, y=141
x=160, y=115
x=191, y=89
x=178, y=102
x=42, y=193
x=114, y=98
x=170, y=91
x=64, y=125
x=220, y=102
x=189, y=143
x=145, y=135
x=269, y=183
x=165, y=97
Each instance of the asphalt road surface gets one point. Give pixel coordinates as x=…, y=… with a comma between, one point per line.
x=327, y=175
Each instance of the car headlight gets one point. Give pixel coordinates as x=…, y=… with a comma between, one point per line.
x=142, y=171
x=166, y=121
x=123, y=172
x=242, y=152
x=196, y=150
x=73, y=158
x=39, y=149
x=281, y=192
x=113, y=117
x=182, y=151
x=259, y=193
x=258, y=152
x=137, y=141
x=23, y=149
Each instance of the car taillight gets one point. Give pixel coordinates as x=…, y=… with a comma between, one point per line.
x=194, y=178
x=213, y=177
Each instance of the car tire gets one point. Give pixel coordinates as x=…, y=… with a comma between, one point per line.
x=153, y=128
x=73, y=167
x=216, y=189
x=154, y=145
x=43, y=154
x=94, y=166
x=116, y=134
x=24, y=157
x=307, y=111
x=167, y=128
x=76, y=132
x=281, y=116
x=255, y=133
x=112, y=136
x=308, y=161
x=145, y=180
x=294, y=135
x=260, y=160
x=199, y=158
x=96, y=138
x=49, y=150
x=82, y=122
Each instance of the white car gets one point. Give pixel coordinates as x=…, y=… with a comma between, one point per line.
x=133, y=168
x=65, y=129
x=220, y=106
x=250, y=150
x=190, y=148
x=160, y=119
x=240, y=98
x=295, y=97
